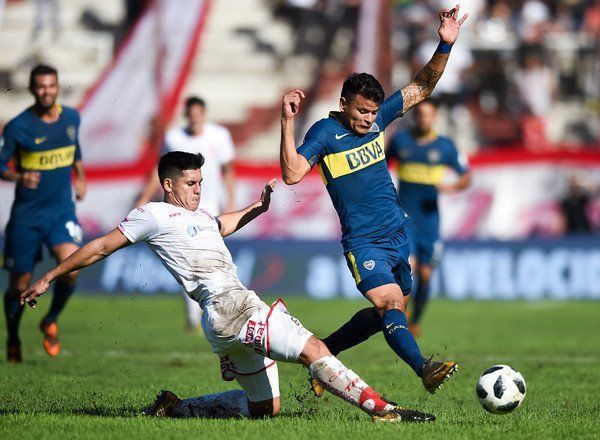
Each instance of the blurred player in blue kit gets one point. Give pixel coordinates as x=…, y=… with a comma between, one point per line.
x=423, y=158
x=43, y=141
x=348, y=148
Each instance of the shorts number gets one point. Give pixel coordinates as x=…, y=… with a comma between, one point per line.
x=74, y=231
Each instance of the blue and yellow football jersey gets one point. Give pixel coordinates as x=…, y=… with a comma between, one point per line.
x=420, y=168
x=354, y=170
x=51, y=149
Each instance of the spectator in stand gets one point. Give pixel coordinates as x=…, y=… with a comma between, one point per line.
x=537, y=88
x=574, y=208
x=42, y=9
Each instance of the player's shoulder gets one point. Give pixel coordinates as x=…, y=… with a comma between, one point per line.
x=70, y=113
x=20, y=121
x=446, y=143
x=215, y=128
x=323, y=127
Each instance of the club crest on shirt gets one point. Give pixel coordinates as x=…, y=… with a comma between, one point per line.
x=192, y=231
x=369, y=264
x=72, y=132
x=434, y=156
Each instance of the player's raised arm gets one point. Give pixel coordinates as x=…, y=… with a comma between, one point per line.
x=426, y=79
x=89, y=254
x=294, y=166
x=232, y=221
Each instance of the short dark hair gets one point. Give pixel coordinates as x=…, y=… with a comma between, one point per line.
x=363, y=84
x=41, y=69
x=172, y=164
x=194, y=100
x=434, y=102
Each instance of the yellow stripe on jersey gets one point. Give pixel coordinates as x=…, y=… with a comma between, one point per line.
x=350, y=161
x=422, y=173
x=48, y=159
x=323, y=177
x=355, y=271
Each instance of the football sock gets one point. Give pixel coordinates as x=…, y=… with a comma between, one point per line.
x=420, y=300
x=233, y=403
x=399, y=338
x=60, y=296
x=192, y=311
x=13, y=311
x=344, y=383
x=364, y=324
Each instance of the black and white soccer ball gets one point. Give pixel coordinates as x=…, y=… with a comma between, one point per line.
x=501, y=389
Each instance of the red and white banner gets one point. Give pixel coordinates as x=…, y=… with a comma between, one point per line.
x=142, y=85
x=513, y=196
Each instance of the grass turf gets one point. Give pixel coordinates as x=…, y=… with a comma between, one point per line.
x=119, y=351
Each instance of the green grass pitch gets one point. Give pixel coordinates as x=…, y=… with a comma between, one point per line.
x=119, y=351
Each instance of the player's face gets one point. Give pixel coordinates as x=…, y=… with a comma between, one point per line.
x=185, y=190
x=425, y=117
x=45, y=89
x=196, y=117
x=360, y=113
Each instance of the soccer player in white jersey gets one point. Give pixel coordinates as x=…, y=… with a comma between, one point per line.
x=214, y=142
x=247, y=334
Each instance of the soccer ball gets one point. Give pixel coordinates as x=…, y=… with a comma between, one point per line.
x=500, y=389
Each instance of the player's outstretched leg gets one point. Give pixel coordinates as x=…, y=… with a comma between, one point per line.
x=336, y=378
x=390, y=301
x=364, y=324
x=228, y=404
x=18, y=282
x=63, y=289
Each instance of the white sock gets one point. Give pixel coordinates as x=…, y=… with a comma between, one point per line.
x=233, y=403
x=192, y=311
x=345, y=383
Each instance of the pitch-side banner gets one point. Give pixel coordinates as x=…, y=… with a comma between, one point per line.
x=509, y=200
x=149, y=70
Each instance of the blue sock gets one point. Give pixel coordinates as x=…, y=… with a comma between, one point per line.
x=364, y=324
x=13, y=311
x=395, y=330
x=60, y=296
x=420, y=300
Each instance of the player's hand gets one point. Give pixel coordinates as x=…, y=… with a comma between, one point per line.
x=450, y=24
x=290, y=104
x=30, y=179
x=80, y=186
x=30, y=295
x=265, y=197
x=446, y=188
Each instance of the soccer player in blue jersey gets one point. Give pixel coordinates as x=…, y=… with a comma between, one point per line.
x=423, y=158
x=348, y=148
x=43, y=141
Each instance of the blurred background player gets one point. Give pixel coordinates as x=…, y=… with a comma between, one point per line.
x=423, y=157
x=348, y=148
x=214, y=143
x=43, y=141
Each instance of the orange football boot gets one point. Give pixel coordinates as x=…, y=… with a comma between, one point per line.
x=51, y=344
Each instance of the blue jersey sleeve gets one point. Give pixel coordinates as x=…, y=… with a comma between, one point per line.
x=457, y=161
x=390, y=109
x=8, y=147
x=313, y=147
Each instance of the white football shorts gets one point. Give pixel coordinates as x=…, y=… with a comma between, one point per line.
x=270, y=334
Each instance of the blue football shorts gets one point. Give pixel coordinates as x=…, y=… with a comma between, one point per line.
x=384, y=261
x=25, y=237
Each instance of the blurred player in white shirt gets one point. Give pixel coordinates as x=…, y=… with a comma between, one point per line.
x=247, y=334
x=214, y=142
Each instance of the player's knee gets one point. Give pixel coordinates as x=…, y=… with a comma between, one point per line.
x=70, y=278
x=313, y=350
x=18, y=284
x=388, y=301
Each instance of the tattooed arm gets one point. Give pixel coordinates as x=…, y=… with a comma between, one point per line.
x=424, y=82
